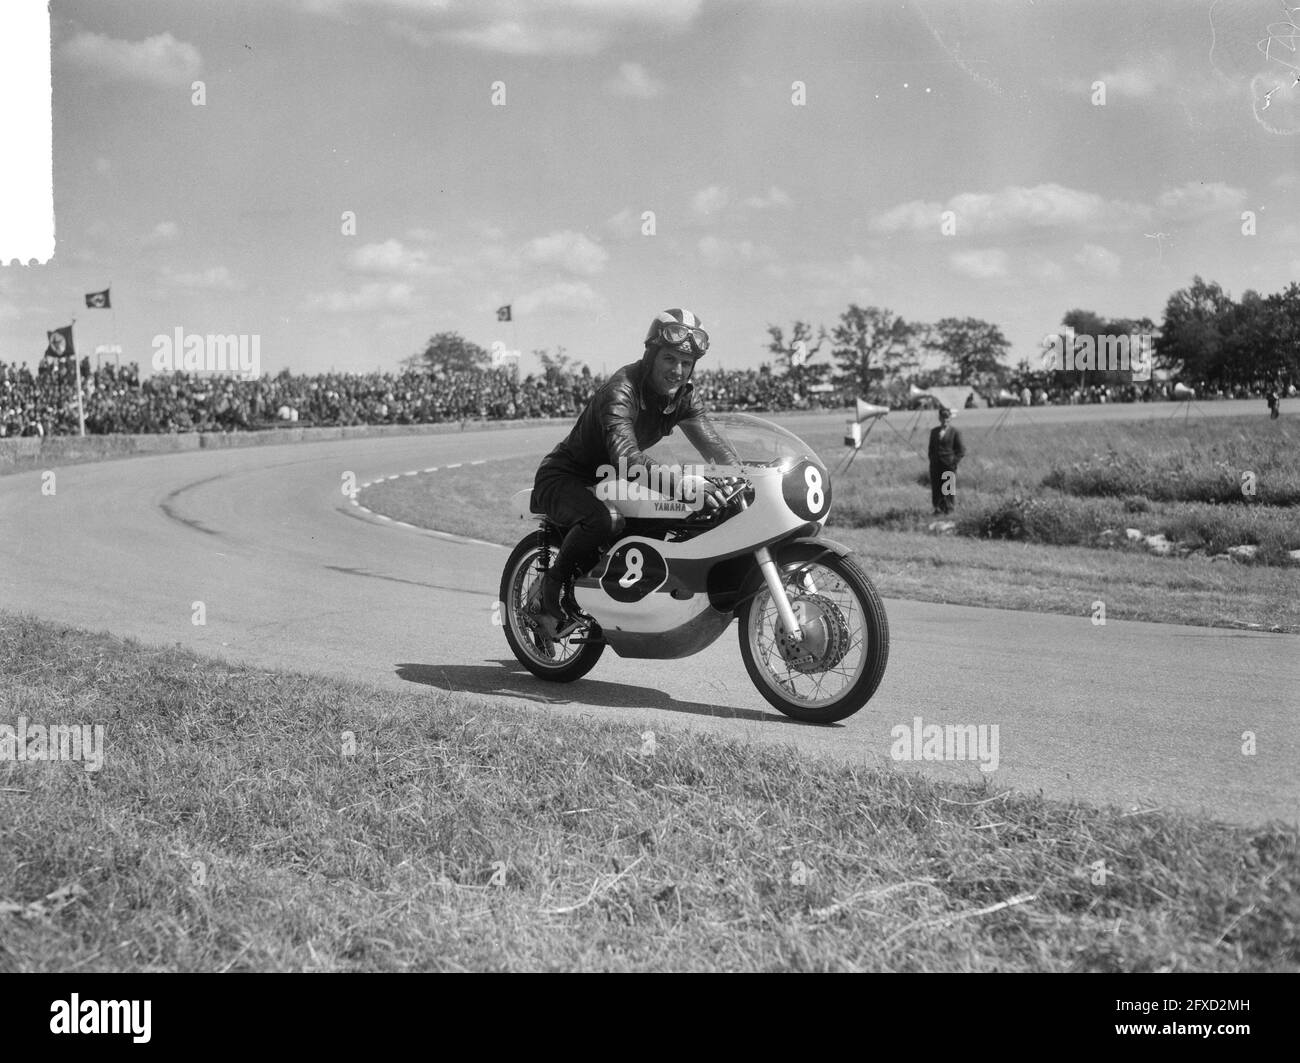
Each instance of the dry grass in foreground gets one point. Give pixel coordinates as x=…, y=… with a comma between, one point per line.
x=229, y=830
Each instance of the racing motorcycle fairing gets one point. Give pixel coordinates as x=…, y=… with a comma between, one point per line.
x=812, y=630
x=700, y=628
x=668, y=585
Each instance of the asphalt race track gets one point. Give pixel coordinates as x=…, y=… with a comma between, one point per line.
x=293, y=576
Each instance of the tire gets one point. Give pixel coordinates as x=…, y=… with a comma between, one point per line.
x=571, y=662
x=856, y=607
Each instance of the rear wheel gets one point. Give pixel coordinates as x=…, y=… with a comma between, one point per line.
x=835, y=667
x=561, y=661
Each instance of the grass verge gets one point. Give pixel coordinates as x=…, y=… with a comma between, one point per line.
x=229, y=828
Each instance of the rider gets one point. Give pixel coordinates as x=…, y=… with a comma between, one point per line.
x=632, y=410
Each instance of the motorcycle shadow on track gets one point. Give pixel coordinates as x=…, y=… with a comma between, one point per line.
x=507, y=678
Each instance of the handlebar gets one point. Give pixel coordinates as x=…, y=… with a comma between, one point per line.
x=734, y=488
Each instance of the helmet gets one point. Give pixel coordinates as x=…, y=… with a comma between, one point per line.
x=679, y=329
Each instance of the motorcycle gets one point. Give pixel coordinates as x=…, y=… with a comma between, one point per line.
x=814, y=637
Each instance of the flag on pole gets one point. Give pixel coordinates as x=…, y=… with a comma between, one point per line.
x=60, y=343
x=98, y=300
x=503, y=313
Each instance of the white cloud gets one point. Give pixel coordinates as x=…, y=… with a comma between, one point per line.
x=632, y=80
x=916, y=215
x=217, y=278
x=857, y=269
x=1136, y=79
x=570, y=251
x=392, y=259
x=1197, y=199
x=827, y=282
x=377, y=295
x=710, y=200
x=1013, y=209
x=774, y=197
x=717, y=252
x=526, y=27
x=1098, y=261
x=565, y=295
x=1039, y=269
x=987, y=264
x=625, y=223
x=161, y=61
x=515, y=37
x=1018, y=211
x=1155, y=76
x=162, y=233
x=340, y=7
x=86, y=257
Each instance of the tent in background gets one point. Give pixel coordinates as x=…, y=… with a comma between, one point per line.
x=954, y=398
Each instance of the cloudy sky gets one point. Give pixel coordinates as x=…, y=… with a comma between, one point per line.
x=770, y=200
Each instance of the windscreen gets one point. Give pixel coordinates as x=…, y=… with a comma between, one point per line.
x=758, y=442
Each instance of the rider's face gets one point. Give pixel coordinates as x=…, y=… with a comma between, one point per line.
x=671, y=370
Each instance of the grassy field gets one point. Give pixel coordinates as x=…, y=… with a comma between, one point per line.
x=234, y=826
x=1208, y=484
x=1032, y=504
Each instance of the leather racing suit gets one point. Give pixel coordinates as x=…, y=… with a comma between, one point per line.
x=623, y=418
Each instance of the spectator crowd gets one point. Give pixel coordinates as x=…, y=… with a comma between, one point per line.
x=1036, y=394
x=117, y=400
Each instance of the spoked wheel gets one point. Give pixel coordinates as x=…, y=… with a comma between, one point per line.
x=833, y=670
x=562, y=661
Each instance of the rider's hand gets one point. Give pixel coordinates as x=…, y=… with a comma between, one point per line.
x=692, y=488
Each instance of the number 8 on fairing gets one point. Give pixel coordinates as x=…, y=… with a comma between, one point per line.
x=635, y=563
x=807, y=491
x=816, y=498
x=633, y=572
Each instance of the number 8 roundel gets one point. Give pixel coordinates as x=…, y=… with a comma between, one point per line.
x=633, y=571
x=807, y=491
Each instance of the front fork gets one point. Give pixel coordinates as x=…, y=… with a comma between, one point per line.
x=776, y=587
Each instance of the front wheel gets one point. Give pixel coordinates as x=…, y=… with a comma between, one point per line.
x=835, y=667
x=562, y=661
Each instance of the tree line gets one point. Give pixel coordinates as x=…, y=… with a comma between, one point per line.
x=1205, y=336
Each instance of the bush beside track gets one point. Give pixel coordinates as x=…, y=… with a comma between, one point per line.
x=226, y=830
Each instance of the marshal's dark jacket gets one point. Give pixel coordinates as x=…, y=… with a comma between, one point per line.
x=946, y=452
x=624, y=417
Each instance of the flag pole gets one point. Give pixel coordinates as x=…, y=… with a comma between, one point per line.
x=76, y=365
x=117, y=344
x=514, y=332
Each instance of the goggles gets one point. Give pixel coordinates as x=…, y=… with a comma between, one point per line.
x=675, y=334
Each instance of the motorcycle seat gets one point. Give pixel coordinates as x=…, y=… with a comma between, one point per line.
x=521, y=504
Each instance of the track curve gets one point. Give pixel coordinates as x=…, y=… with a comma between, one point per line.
x=293, y=576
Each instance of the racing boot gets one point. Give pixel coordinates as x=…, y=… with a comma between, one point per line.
x=554, y=621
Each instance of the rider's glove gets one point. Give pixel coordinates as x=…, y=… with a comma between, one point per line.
x=696, y=491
